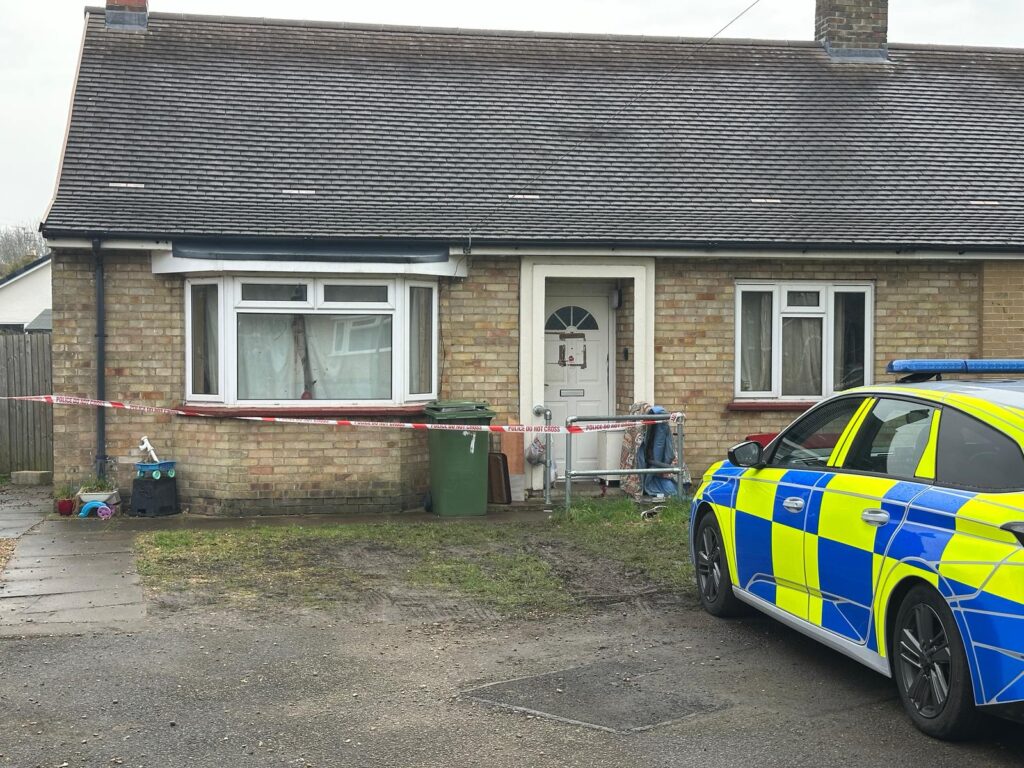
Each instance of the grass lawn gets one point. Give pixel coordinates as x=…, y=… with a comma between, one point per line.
x=512, y=568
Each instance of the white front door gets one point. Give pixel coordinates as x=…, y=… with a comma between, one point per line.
x=577, y=336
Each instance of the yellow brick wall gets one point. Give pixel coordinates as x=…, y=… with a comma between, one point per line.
x=1002, y=308
x=480, y=336
x=624, y=341
x=920, y=310
x=232, y=467
x=224, y=466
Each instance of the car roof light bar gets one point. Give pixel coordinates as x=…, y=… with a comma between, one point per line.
x=922, y=370
x=1007, y=365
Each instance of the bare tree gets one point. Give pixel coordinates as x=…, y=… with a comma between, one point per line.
x=19, y=245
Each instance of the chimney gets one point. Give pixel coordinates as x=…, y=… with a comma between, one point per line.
x=129, y=15
x=853, y=30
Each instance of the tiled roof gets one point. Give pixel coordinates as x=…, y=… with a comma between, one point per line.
x=201, y=124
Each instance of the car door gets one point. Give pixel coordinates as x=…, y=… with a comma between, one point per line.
x=772, y=504
x=887, y=462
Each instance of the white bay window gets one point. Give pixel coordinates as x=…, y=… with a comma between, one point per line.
x=802, y=341
x=283, y=340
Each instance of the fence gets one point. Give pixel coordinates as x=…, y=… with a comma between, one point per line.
x=26, y=429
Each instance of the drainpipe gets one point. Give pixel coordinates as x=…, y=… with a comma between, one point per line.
x=101, y=363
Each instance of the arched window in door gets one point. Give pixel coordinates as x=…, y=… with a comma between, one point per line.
x=571, y=318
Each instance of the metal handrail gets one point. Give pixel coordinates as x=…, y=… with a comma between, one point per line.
x=679, y=470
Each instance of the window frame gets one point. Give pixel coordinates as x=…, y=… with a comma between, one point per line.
x=861, y=434
x=781, y=310
x=231, y=305
x=776, y=443
x=190, y=395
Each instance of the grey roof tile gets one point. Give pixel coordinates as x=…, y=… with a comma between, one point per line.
x=424, y=134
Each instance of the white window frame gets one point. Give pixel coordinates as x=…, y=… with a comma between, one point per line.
x=309, y=303
x=191, y=396
x=781, y=310
x=432, y=394
x=230, y=305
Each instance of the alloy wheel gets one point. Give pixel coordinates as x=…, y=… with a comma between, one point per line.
x=925, y=661
x=709, y=564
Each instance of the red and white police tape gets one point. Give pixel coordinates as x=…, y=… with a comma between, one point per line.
x=517, y=428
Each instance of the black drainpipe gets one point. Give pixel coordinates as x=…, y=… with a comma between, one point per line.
x=101, y=364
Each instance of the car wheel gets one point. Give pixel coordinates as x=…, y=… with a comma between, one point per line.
x=714, y=585
x=930, y=668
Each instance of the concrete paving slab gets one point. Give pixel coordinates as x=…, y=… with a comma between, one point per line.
x=64, y=574
x=59, y=601
x=65, y=584
x=118, y=562
x=43, y=544
x=116, y=617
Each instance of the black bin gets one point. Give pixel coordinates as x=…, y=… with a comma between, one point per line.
x=154, y=498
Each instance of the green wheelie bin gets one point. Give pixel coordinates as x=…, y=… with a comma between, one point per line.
x=458, y=459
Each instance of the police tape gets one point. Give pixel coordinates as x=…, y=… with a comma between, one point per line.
x=512, y=428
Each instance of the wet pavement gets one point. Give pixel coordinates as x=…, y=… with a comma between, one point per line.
x=66, y=575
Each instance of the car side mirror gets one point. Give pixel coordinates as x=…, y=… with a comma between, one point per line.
x=748, y=454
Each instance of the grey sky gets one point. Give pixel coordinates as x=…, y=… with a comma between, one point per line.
x=39, y=48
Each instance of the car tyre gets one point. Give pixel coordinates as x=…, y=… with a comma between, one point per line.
x=930, y=668
x=714, y=585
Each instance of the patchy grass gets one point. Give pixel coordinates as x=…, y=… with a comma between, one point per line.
x=514, y=584
x=612, y=529
x=512, y=568
x=6, y=550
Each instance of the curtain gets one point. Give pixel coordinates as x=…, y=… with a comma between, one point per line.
x=756, y=341
x=421, y=338
x=205, y=362
x=350, y=356
x=801, y=356
x=269, y=366
x=848, y=337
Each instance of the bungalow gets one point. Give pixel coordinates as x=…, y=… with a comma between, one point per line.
x=278, y=217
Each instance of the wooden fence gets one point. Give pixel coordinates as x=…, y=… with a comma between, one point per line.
x=26, y=429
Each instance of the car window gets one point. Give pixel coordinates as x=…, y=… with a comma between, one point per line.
x=810, y=441
x=892, y=439
x=971, y=454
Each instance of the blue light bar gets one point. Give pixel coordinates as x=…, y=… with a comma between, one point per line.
x=1006, y=365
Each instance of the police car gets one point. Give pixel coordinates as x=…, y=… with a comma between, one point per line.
x=887, y=522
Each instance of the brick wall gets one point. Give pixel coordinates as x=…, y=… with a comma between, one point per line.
x=852, y=24
x=225, y=467
x=232, y=467
x=624, y=329
x=1002, y=308
x=480, y=336
x=920, y=310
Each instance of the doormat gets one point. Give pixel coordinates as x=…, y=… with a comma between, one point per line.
x=614, y=696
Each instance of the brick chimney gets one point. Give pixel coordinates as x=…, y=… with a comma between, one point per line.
x=130, y=15
x=853, y=30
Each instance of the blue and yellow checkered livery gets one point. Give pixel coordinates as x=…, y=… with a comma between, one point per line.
x=798, y=547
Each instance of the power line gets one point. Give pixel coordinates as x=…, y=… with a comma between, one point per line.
x=616, y=114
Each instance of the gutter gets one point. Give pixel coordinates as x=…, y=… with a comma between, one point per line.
x=524, y=243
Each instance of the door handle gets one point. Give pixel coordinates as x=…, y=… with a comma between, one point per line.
x=877, y=517
x=793, y=504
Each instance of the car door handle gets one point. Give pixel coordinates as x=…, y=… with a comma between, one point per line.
x=793, y=504
x=875, y=517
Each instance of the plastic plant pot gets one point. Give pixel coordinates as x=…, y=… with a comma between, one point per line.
x=65, y=507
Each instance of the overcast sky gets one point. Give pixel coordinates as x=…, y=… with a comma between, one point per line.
x=39, y=44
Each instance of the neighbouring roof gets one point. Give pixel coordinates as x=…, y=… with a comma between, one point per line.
x=210, y=126
x=42, y=322
x=24, y=270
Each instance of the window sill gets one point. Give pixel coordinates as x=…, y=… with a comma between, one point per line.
x=314, y=412
x=791, y=406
